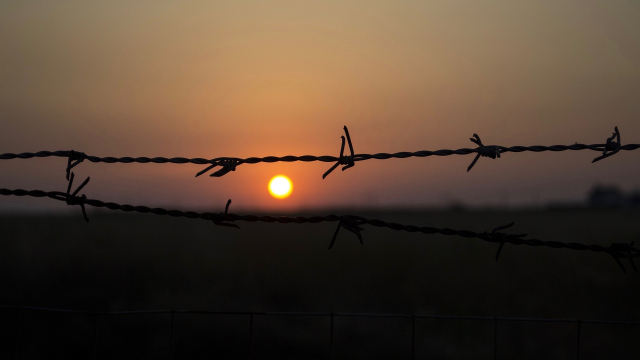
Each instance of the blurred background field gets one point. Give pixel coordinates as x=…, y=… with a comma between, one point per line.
x=143, y=262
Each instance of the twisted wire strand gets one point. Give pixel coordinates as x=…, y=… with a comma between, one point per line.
x=228, y=164
x=310, y=158
x=616, y=250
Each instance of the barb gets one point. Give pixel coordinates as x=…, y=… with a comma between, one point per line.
x=611, y=147
x=484, y=151
x=229, y=163
x=75, y=158
x=622, y=250
x=227, y=166
x=343, y=160
x=73, y=199
x=502, y=238
x=226, y=211
x=350, y=222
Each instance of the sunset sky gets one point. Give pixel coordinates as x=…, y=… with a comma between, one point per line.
x=258, y=78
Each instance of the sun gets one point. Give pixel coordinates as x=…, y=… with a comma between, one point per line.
x=280, y=187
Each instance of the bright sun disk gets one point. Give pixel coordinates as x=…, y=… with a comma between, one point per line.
x=280, y=187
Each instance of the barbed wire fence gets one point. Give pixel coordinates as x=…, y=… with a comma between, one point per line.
x=351, y=223
x=330, y=316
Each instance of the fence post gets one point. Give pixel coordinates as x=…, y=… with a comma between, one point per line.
x=331, y=338
x=413, y=337
x=173, y=315
x=578, y=340
x=495, y=338
x=95, y=340
x=18, y=312
x=251, y=335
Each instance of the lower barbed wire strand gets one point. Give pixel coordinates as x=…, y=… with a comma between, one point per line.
x=617, y=252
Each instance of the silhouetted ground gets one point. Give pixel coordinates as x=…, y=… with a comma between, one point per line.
x=140, y=262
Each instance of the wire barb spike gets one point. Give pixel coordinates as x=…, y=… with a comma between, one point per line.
x=226, y=211
x=611, y=147
x=349, y=223
x=74, y=159
x=502, y=238
x=228, y=165
x=624, y=250
x=484, y=151
x=74, y=199
x=348, y=160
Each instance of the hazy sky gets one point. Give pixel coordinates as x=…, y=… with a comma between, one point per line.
x=256, y=78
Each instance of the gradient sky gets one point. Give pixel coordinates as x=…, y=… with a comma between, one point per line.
x=257, y=78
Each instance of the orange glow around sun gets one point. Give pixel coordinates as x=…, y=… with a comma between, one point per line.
x=280, y=187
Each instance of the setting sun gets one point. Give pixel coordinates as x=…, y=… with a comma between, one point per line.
x=280, y=187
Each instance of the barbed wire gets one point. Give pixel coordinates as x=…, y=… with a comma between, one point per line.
x=352, y=223
x=228, y=164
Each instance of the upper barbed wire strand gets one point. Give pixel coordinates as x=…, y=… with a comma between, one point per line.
x=311, y=158
x=229, y=163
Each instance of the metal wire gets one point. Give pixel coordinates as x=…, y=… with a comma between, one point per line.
x=330, y=315
x=229, y=164
x=351, y=223
x=327, y=314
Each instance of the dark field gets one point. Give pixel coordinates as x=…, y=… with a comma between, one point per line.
x=143, y=262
